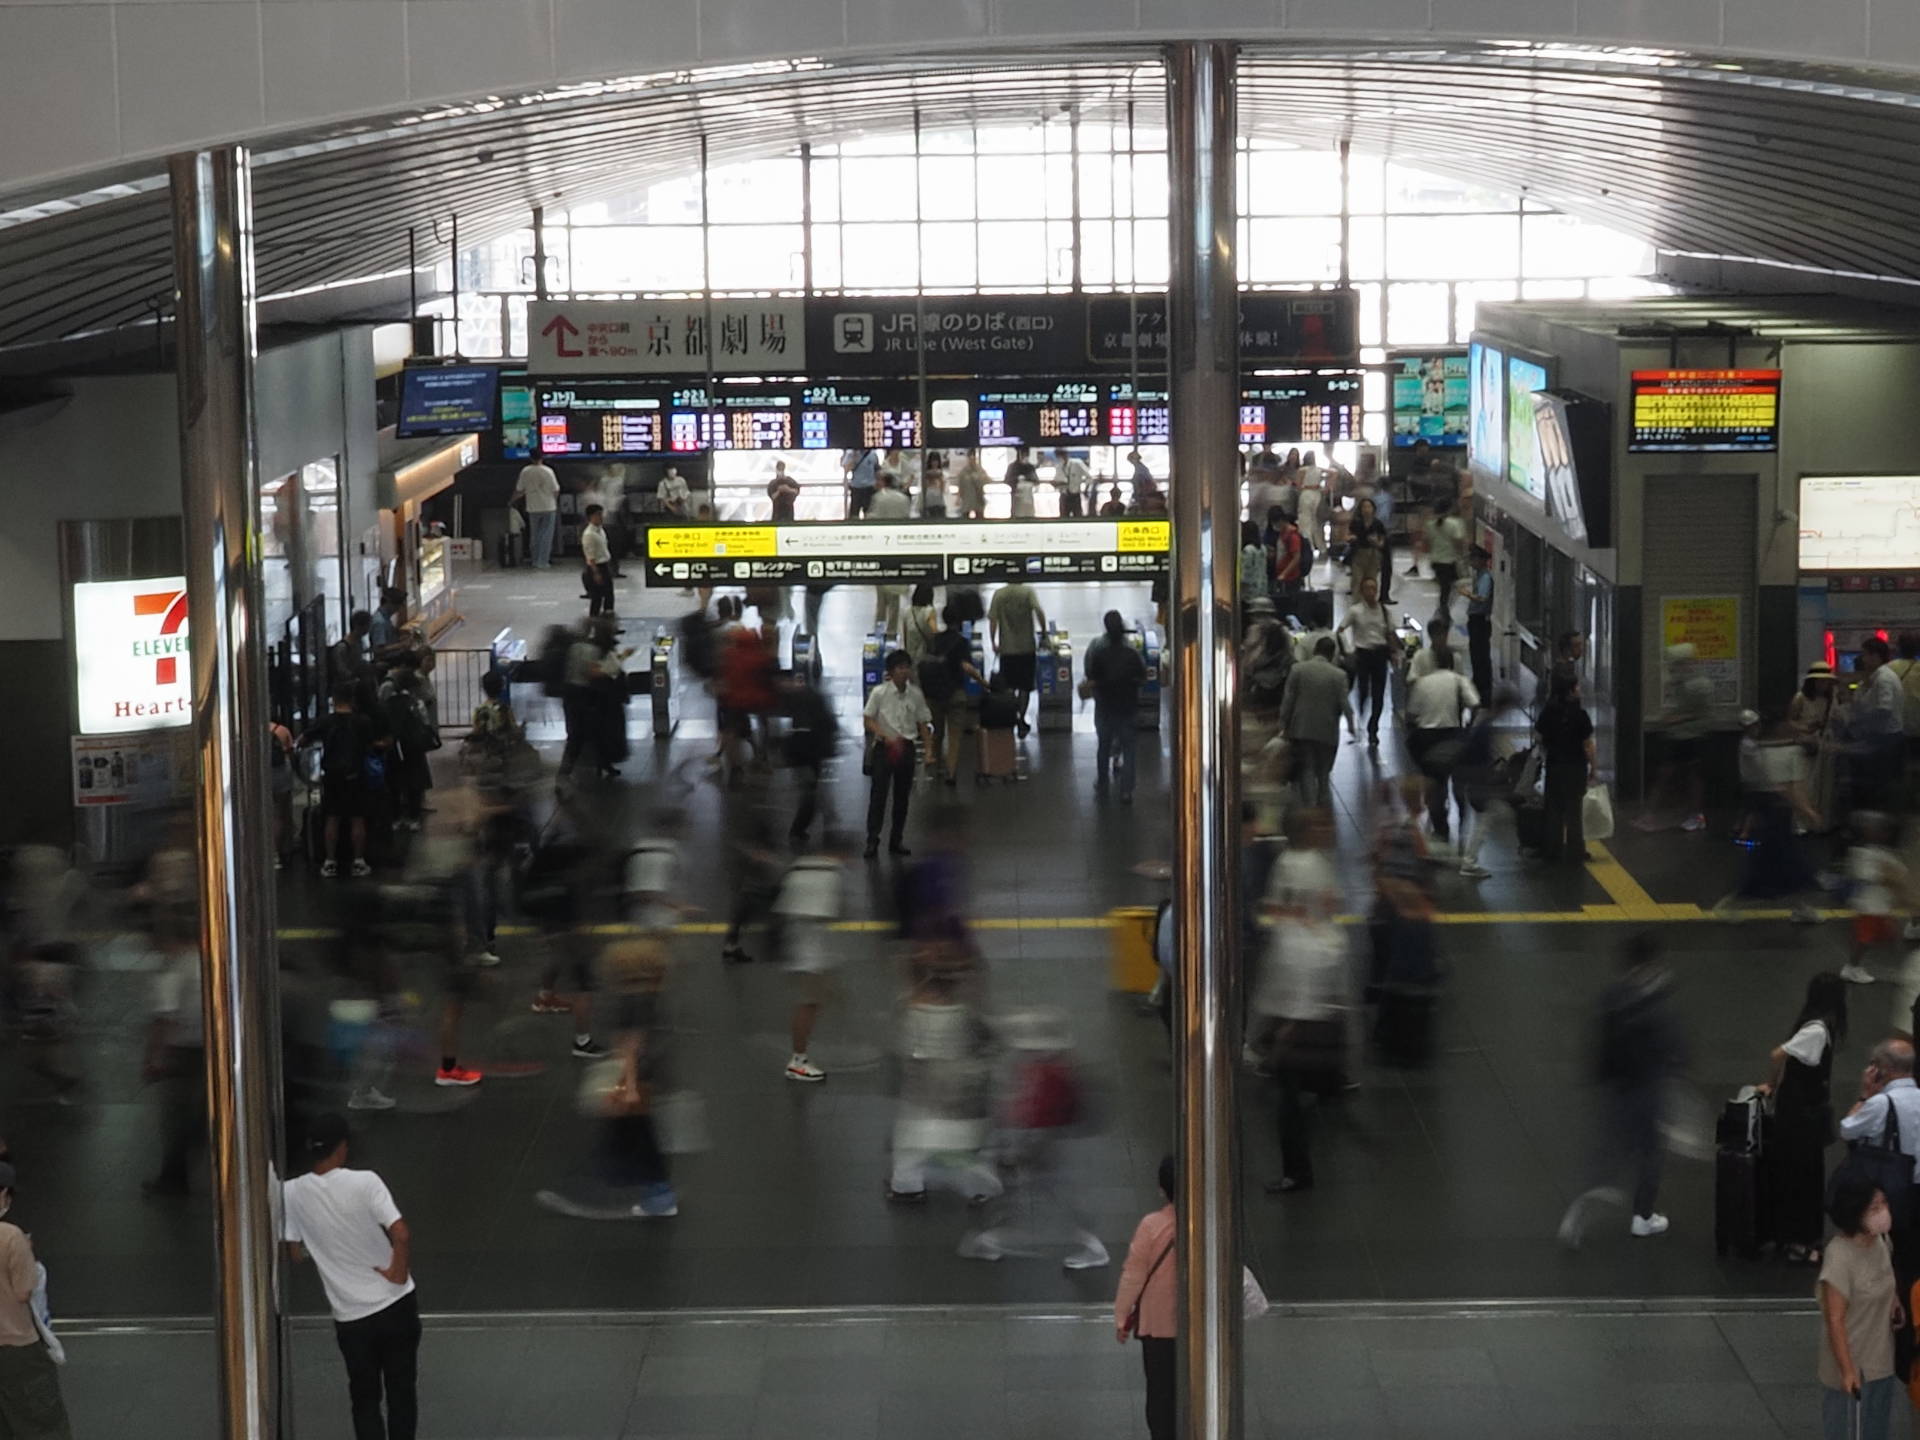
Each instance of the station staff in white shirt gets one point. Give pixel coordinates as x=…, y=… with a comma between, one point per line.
x=596, y=558
x=896, y=714
x=538, y=489
x=345, y=1221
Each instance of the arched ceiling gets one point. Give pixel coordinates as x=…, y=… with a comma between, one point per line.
x=1797, y=166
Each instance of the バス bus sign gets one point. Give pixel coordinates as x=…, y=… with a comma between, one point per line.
x=129, y=655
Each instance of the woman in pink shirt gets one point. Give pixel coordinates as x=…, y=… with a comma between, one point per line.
x=1145, y=1305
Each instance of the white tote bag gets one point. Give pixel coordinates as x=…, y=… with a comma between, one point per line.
x=1596, y=814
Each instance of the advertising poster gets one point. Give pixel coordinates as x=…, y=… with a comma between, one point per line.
x=130, y=655
x=155, y=768
x=1430, y=400
x=1711, y=624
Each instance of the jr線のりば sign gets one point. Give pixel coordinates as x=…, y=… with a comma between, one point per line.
x=130, y=655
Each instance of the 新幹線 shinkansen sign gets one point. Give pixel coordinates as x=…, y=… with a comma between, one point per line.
x=858, y=335
x=963, y=552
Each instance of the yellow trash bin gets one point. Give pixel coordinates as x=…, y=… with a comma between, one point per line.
x=1130, y=933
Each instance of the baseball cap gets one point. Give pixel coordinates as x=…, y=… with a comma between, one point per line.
x=325, y=1134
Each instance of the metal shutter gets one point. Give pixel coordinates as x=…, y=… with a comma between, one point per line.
x=1698, y=539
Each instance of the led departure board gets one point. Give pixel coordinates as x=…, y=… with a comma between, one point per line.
x=1070, y=422
x=599, y=418
x=886, y=429
x=1314, y=409
x=813, y=430
x=1706, y=410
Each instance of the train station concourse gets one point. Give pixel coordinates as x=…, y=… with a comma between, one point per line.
x=865, y=719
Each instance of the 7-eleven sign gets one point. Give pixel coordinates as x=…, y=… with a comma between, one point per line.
x=129, y=642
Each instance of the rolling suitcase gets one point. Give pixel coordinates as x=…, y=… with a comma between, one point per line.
x=1530, y=826
x=1737, y=1227
x=996, y=756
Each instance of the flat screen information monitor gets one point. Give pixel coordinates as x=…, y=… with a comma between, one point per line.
x=1487, y=410
x=1705, y=410
x=1859, y=522
x=446, y=400
x=1429, y=399
x=1524, y=467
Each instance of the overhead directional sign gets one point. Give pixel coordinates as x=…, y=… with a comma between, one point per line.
x=961, y=552
x=666, y=337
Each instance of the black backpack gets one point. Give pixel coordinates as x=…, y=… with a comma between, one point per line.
x=697, y=650
x=552, y=664
x=936, y=675
x=342, y=755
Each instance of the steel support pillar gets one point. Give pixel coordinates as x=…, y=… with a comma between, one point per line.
x=1203, y=312
x=214, y=363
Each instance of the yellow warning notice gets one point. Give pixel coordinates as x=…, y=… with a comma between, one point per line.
x=1144, y=536
x=709, y=542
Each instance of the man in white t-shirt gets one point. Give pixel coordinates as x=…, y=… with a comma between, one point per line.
x=673, y=493
x=596, y=559
x=538, y=489
x=1072, y=479
x=346, y=1222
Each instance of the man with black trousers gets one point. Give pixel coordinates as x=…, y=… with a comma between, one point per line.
x=1480, y=618
x=596, y=556
x=896, y=713
x=346, y=1221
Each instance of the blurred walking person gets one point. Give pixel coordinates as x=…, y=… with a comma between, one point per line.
x=621, y=1094
x=347, y=1223
x=1641, y=1054
x=30, y=1403
x=1369, y=629
x=176, y=1059
x=943, y=1115
x=1302, y=990
x=1439, y=705
x=810, y=900
x=1774, y=772
x=1146, y=1306
x=1046, y=1100
x=1404, y=983
x=1567, y=750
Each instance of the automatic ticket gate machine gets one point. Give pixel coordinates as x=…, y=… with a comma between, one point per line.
x=873, y=661
x=662, y=684
x=1053, y=679
x=806, y=656
x=1148, y=642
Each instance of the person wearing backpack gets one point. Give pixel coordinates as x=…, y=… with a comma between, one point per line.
x=403, y=703
x=348, y=741
x=943, y=672
x=1114, y=674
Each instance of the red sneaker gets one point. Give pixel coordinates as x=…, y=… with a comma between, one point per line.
x=459, y=1075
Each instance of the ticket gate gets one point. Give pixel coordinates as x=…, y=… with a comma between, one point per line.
x=661, y=685
x=1053, y=680
x=873, y=662
x=806, y=656
x=1147, y=641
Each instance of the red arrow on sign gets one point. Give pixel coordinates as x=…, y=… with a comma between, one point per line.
x=559, y=327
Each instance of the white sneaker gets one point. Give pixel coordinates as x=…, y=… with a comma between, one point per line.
x=1858, y=974
x=369, y=1098
x=980, y=1247
x=329, y=869
x=1091, y=1256
x=1474, y=870
x=486, y=958
x=361, y=869
x=1645, y=1225
x=1691, y=823
x=801, y=1068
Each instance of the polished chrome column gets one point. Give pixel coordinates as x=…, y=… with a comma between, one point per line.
x=214, y=335
x=1203, y=314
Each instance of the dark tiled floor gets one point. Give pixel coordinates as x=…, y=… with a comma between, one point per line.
x=1442, y=1183
x=997, y=1376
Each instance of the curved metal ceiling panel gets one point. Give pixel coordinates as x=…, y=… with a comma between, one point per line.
x=1816, y=168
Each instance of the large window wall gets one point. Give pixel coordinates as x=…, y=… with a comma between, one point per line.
x=1052, y=207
